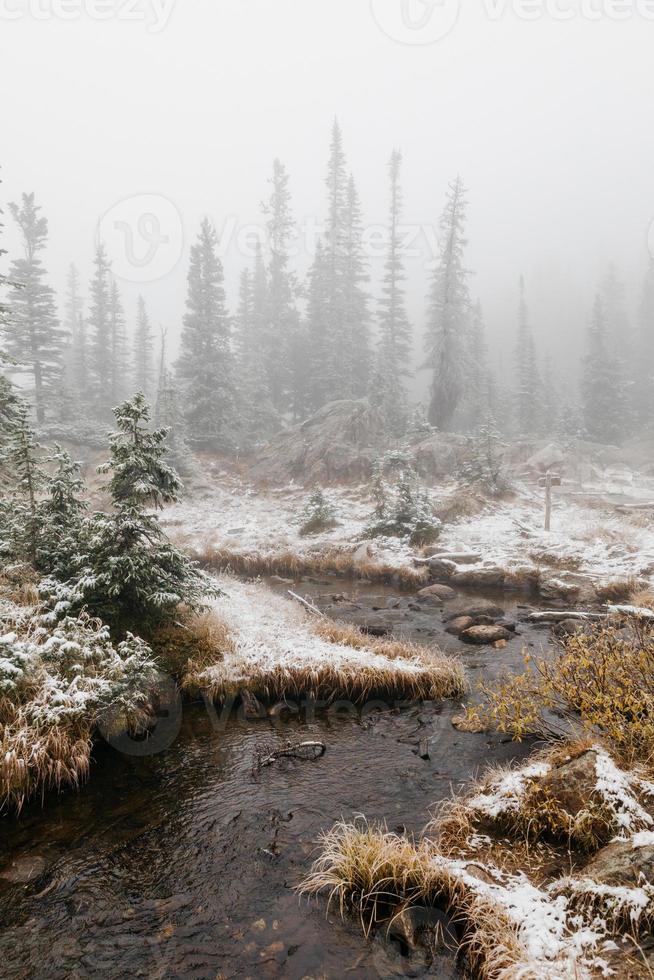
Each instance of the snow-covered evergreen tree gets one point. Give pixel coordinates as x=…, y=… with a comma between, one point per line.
x=127, y=572
x=528, y=388
x=143, y=351
x=20, y=520
x=100, y=336
x=281, y=312
x=448, y=314
x=353, y=356
x=257, y=416
x=317, y=330
x=644, y=374
x=393, y=355
x=168, y=414
x=36, y=341
x=76, y=361
x=205, y=370
x=119, y=356
x=479, y=388
x=10, y=402
x=602, y=391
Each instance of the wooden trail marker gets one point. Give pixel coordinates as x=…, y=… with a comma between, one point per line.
x=548, y=481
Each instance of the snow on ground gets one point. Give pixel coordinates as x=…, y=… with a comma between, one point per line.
x=270, y=633
x=590, y=534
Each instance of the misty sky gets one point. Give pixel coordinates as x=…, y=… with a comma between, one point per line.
x=548, y=121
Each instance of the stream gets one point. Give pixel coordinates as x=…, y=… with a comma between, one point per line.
x=184, y=863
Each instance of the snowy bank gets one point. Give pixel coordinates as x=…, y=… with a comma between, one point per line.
x=277, y=649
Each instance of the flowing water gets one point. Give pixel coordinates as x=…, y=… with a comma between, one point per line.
x=184, y=863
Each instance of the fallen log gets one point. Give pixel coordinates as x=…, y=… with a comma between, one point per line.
x=309, y=606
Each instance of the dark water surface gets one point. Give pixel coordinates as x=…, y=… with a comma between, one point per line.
x=183, y=864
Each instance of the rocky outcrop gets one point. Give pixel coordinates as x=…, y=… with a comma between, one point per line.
x=338, y=444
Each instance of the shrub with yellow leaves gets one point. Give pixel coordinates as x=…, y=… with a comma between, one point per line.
x=600, y=681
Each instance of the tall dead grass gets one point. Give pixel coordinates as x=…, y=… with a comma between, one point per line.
x=328, y=682
x=369, y=872
x=288, y=564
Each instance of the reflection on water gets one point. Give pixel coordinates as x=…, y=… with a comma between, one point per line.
x=183, y=864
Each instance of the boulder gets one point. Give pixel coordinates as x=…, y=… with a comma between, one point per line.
x=442, y=568
x=558, y=588
x=442, y=592
x=573, y=784
x=477, y=609
x=340, y=442
x=484, y=635
x=437, y=456
x=459, y=624
x=621, y=864
x=546, y=459
x=482, y=578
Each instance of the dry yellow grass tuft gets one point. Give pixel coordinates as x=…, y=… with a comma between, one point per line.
x=291, y=565
x=617, y=591
x=370, y=872
x=352, y=636
x=192, y=644
x=353, y=682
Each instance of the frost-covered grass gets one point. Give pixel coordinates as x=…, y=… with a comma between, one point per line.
x=275, y=649
x=508, y=926
x=513, y=915
x=56, y=685
x=257, y=531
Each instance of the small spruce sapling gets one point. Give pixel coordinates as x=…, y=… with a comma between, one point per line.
x=319, y=514
x=402, y=509
x=128, y=572
x=482, y=465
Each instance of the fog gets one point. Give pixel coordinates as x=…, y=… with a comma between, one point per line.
x=548, y=121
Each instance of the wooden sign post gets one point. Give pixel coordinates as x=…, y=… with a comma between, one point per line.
x=548, y=481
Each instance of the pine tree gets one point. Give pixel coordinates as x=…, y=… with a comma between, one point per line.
x=394, y=346
x=335, y=372
x=448, y=313
x=644, y=374
x=205, y=367
x=76, y=366
x=10, y=402
x=257, y=416
x=602, y=393
x=168, y=414
x=127, y=571
x=479, y=392
x=143, y=351
x=119, y=356
x=36, y=340
x=61, y=512
x=317, y=330
x=356, y=316
x=19, y=510
x=282, y=315
x=100, y=339
x=528, y=392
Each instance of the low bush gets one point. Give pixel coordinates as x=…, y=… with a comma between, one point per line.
x=600, y=681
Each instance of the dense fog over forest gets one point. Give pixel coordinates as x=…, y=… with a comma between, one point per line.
x=187, y=122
